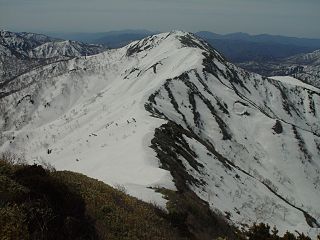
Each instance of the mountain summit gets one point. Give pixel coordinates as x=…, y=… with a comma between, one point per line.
x=169, y=112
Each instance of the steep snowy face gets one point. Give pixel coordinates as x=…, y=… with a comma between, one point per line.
x=253, y=143
x=169, y=111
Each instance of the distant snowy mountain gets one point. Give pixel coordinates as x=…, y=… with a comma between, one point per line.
x=64, y=48
x=38, y=38
x=312, y=58
x=40, y=46
x=14, y=51
x=15, y=43
x=169, y=112
x=20, y=52
x=305, y=67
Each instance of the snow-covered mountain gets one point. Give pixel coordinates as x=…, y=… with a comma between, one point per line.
x=170, y=112
x=64, y=48
x=312, y=58
x=305, y=67
x=36, y=37
x=34, y=45
x=20, y=44
x=20, y=52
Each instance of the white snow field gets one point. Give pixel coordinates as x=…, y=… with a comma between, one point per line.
x=88, y=115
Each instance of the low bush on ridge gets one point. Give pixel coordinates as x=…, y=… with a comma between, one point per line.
x=36, y=203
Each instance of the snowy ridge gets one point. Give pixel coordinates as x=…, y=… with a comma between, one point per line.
x=250, y=145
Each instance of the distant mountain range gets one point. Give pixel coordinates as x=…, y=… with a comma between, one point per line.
x=236, y=47
x=239, y=47
x=112, y=39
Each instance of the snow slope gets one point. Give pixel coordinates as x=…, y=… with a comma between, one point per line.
x=250, y=145
x=293, y=81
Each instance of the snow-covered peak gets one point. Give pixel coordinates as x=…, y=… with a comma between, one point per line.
x=173, y=39
x=170, y=39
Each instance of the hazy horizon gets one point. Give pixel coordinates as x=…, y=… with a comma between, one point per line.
x=293, y=18
x=55, y=33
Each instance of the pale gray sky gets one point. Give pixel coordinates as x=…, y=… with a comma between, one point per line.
x=299, y=18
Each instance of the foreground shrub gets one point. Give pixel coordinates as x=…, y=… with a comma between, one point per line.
x=36, y=203
x=39, y=204
x=263, y=232
x=13, y=223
